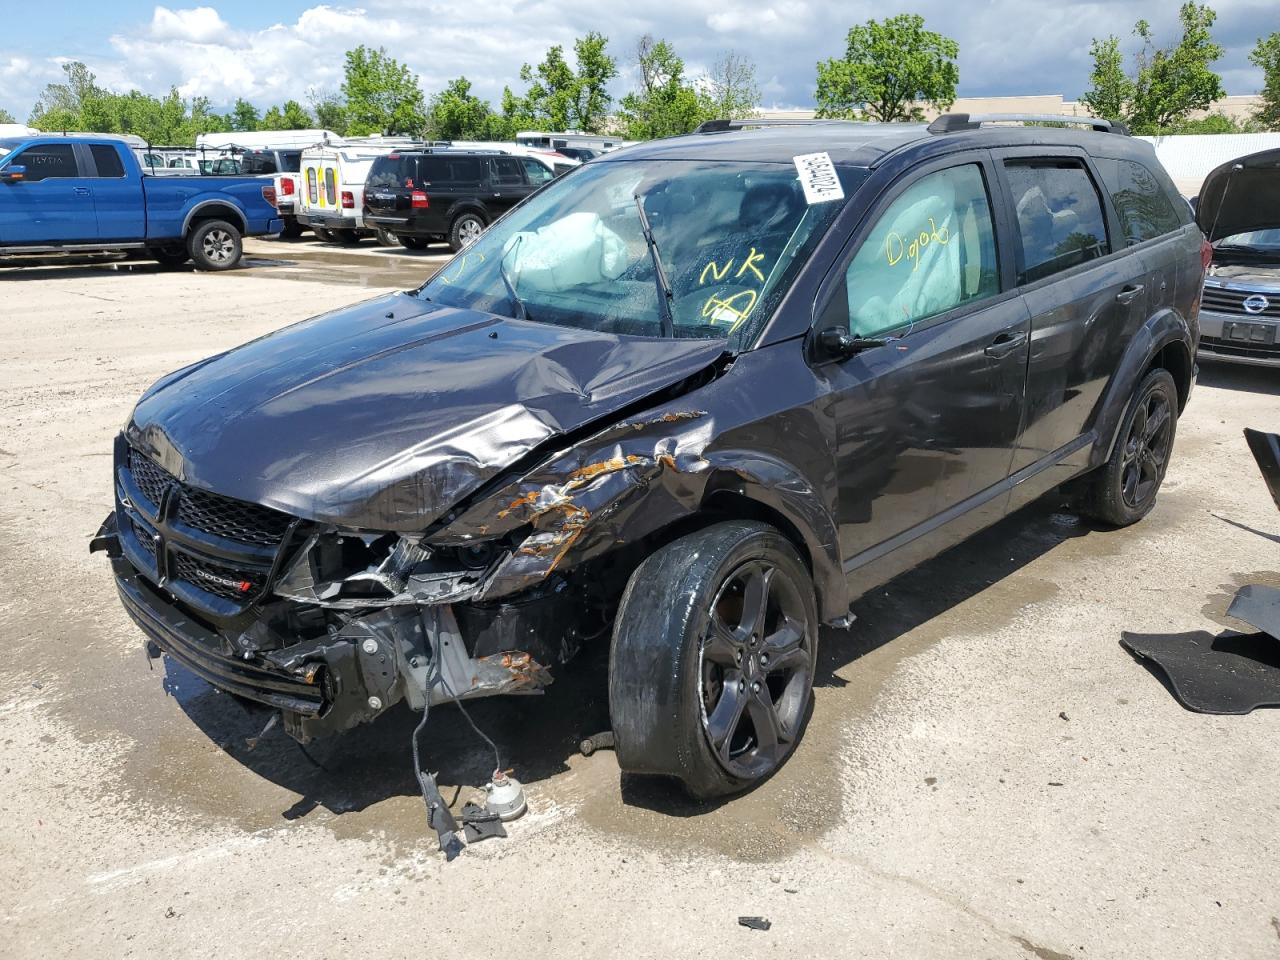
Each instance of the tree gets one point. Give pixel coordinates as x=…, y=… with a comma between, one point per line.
x=1267, y=56
x=7, y=117
x=887, y=69
x=666, y=103
x=455, y=113
x=329, y=109
x=730, y=89
x=382, y=95
x=244, y=116
x=291, y=116
x=564, y=97
x=1112, y=90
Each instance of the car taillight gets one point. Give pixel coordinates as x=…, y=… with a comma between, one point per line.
x=1206, y=255
x=419, y=200
x=269, y=195
x=348, y=199
x=286, y=187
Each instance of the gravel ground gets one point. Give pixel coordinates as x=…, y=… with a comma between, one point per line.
x=987, y=773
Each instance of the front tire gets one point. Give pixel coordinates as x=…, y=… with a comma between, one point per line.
x=711, y=668
x=465, y=231
x=413, y=243
x=1124, y=490
x=214, y=245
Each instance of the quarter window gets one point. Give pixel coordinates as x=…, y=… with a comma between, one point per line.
x=47, y=161
x=932, y=250
x=1143, y=206
x=107, y=160
x=1059, y=215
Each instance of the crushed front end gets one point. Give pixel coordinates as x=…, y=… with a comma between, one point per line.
x=330, y=626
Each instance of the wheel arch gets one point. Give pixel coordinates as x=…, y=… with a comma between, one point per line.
x=213, y=210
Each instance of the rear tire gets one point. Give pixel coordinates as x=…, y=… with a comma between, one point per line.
x=465, y=230
x=322, y=234
x=413, y=243
x=214, y=245
x=385, y=237
x=712, y=662
x=348, y=238
x=1124, y=490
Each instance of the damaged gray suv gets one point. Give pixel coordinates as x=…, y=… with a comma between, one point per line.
x=690, y=400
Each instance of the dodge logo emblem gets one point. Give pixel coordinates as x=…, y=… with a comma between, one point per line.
x=1256, y=303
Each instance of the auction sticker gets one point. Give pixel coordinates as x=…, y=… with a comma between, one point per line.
x=818, y=177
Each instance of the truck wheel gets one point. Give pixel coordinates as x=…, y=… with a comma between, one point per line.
x=1124, y=490
x=214, y=245
x=465, y=231
x=323, y=234
x=169, y=257
x=348, y=238
x=292, y=230
x=711, y=668
x=413, y=243
x=385, y=237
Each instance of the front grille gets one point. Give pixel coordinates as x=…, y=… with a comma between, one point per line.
x=226, y=582
x=1238, y=348
x=239, y=543
x=1223, y=300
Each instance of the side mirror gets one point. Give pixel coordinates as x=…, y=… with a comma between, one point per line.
x=840, y=344
x=14, y=173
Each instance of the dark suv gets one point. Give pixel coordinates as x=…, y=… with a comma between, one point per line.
x=425, y=196
x=691, y=401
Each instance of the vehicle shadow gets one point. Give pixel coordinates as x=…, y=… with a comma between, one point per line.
x=537, y=735
x=1234, y=376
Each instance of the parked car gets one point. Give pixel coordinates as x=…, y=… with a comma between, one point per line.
x=555, y=161
x=691, y=401
x=332, y=187
x=1239, y=211
x=88, y=194
x=421, y=197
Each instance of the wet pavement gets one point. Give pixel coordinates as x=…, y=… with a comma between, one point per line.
x=985, y=772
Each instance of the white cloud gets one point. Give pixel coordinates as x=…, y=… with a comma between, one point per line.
x=1006, y=46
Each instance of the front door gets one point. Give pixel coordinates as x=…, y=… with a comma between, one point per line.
x=508, y=185
x=926, y=423
x=52, y=203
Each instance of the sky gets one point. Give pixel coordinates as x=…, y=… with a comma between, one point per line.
x=268, y=52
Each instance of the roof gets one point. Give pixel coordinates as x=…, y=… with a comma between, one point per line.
x=855, y=143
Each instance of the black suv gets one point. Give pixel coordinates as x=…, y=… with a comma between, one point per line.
x=691, y=401
x=424, y=196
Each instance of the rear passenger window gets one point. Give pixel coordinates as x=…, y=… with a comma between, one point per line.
x=47, y=161
x=507, y=172
x=932, y=250
x=433, y=169
x=313, y=194
x=1060, y=221
x=331, y=186
x=465, y=170
x=106, y=160
x=1144, y=208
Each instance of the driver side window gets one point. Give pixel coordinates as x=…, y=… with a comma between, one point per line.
x=932, y=250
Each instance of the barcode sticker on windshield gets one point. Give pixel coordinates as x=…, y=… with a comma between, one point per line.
x=818, y=177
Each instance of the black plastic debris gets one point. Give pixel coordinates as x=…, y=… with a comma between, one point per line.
x=480, y=823
x=754, y=923
x=1258, y=606
x=1226, y=674
x=1266, y=450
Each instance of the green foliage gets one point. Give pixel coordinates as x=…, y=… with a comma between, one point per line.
x=6, y=116
x=666, y=103
x=1267, y=56
x=1167, y=84
x=329, y=110
x=382, y=94
x=887, y=69
x=561, y=97
x=730, y=91
x=455, y=113
x=291, y=116
x=244, y=116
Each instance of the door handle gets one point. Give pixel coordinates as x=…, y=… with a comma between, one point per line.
x=1129, y=293
x=1005, y=344
x=81, y=191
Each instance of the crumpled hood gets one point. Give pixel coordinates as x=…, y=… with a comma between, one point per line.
x=1240, y=196
x=383, y=415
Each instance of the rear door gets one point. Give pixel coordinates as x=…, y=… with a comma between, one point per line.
x=927, y=422
x=1085, y=304
x=117, y=196
x=53, y=203
x=389, y=190
x=508, y=185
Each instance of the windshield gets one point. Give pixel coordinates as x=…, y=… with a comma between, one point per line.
x=1257, y=239
x=731, y=237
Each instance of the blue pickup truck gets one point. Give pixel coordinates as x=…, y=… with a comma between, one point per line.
x=89, y=194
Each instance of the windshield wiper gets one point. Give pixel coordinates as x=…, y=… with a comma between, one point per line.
x=665, y=296
x=517, y=305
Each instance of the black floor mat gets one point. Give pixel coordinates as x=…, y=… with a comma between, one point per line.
x=1231, y=673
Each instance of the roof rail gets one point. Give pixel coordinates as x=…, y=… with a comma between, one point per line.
x=720, y=126
x=952, y=122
